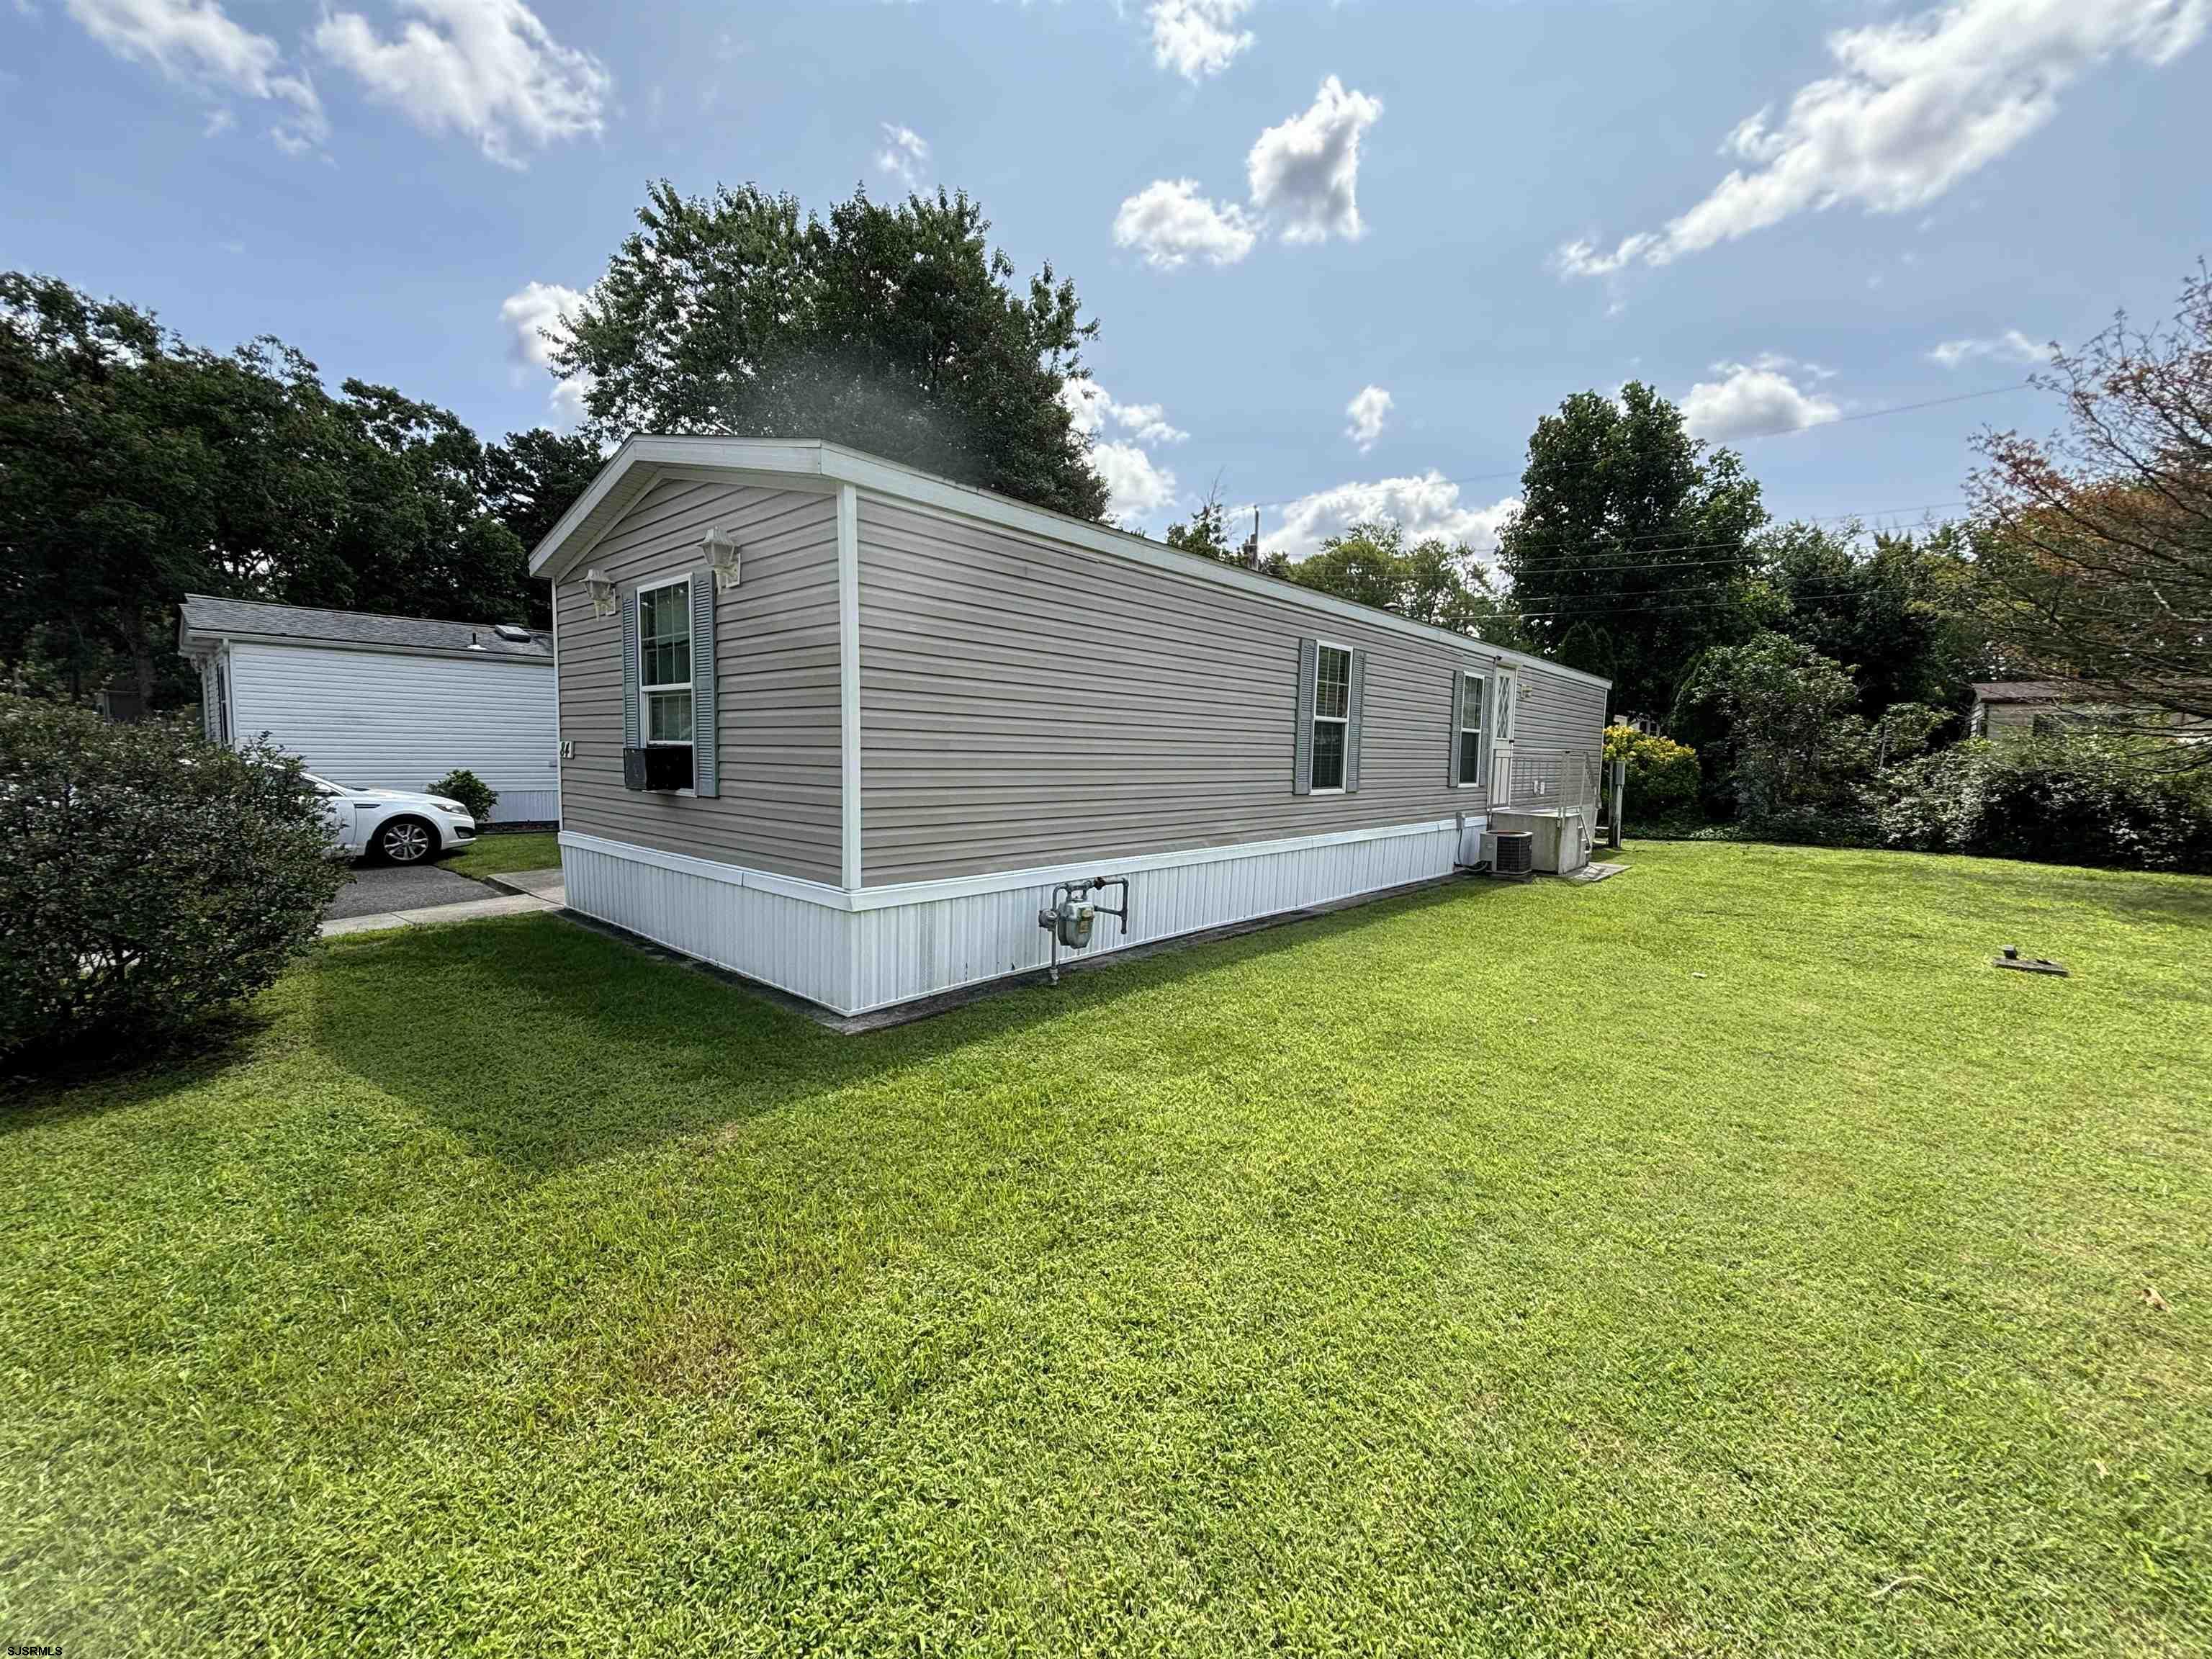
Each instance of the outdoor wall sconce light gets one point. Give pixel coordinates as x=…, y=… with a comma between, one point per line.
x=601, y=587
x=724, y=553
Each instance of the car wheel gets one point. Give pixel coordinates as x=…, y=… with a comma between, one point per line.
x=406, y=840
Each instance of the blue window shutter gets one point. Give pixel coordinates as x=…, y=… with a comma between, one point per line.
x=632, y=725
x=1302, y=766
x=706, y=775
x=1352, y=725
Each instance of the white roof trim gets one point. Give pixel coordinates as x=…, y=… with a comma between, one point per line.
x=197, y=644
x=784, y=465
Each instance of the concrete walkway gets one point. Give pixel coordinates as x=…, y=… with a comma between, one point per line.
x=503, y=905
x=537, y=884
x=528, y=891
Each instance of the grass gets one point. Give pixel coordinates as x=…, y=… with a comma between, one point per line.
x=1724, y=1258
x=498, y=854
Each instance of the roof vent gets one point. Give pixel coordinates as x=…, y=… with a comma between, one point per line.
x=512, y=634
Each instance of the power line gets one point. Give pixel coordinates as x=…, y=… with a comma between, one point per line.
x=1746, y=550
x=1795, y=594
x=1895, y=409
x=1747, y=437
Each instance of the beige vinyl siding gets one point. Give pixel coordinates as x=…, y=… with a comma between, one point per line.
x=776, y=693
x=1559, y=711
x=1026, y=702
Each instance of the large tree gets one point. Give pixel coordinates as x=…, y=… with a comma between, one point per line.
x=1892, y=608
x=895, y=329
x=535, y=476
x=1630, y=553
x=2096, y=545
x=1433, y=581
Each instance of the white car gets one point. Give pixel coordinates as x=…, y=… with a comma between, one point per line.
x=392, y=824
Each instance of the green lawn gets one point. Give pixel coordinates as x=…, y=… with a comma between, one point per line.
x=498, y=854
x=1723, y=1259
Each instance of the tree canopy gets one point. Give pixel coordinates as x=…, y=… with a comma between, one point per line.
x=2096, y=546
x=895, y=329
x=1433, y=581
x=139, y=467
x=1896, y=612
x=1631, y=550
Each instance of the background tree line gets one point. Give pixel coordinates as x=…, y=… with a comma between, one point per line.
x=136, y=466
x=1801, y=659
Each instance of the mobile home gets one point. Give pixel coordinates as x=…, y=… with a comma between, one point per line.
x=843, y=726
x=381, y=702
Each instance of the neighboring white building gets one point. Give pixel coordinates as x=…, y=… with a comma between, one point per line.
x=382, y=703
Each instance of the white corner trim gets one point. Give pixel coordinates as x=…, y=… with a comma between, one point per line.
x=848, y=678
x=1002, y=881
x=560, y=756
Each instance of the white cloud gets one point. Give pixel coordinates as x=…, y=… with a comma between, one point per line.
x=488, y=69
x=1304, y=173
x=904, y=154
x=195, y=43
x=1366, y=412
x=1137, y=486
x=1169, y=221
x=1304, y=177
x=537, y=315
x=1091, y=407
x=2010, y=347
x=1916, y=106
x=1754, y=399
x=1198, y=37
x=1425, y=506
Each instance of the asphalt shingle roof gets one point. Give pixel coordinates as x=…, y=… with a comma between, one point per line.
x=205, y=615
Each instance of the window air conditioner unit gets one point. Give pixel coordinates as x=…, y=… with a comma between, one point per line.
x=660, y=768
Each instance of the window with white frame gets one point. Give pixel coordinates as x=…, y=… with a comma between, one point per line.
x=1470, y=690
x=1332, y=715
x=664, y=662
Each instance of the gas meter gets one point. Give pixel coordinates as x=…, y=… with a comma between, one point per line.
x=1073, y=914
x=1072, y=919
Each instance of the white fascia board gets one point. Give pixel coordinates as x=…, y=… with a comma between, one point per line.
x=299, y=642
x=772, y=463
x=786, y=465
x=953, y=887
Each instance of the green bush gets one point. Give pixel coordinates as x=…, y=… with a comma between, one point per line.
x=146, y=876
x=1662, y=774
x=2111, y=801
x=472, y=792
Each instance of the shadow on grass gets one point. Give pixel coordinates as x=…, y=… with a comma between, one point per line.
x=97, y=1076
x=546, y=1045
x=2173, y=901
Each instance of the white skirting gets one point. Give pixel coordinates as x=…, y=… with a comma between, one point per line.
x=857, y=950
x=527, y=806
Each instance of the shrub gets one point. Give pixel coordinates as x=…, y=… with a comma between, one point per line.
x=1662, y=774
x=472, y=792
x=146, y=876
x=2110, y=801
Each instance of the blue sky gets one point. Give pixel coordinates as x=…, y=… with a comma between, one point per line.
x=1344, y=255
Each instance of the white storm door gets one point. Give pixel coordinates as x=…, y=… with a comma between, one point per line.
x=1505, y=713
